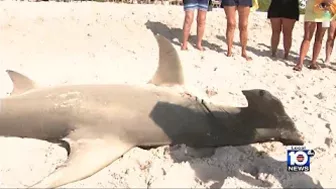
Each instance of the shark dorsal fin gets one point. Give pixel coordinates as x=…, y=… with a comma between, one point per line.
x=21, y=83
x=169, y=71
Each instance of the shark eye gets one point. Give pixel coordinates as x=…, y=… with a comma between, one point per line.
x=261, y=92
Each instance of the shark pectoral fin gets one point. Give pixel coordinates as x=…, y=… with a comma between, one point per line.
x=21, y=83
x=169, y=71
x=87, y=157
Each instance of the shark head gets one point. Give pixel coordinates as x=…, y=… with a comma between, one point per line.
x=271, y=118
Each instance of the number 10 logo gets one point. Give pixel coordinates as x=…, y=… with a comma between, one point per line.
x=299, y=160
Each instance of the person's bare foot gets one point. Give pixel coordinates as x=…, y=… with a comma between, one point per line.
x=246, y=57
x=274, y=54
x=229, y=53
x=327, y=61
x=298, y=67
x=286, y=56
x=200, y=47
x=184, y=47
x=314, y=66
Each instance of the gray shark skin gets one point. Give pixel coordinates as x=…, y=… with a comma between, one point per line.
x=102, y=122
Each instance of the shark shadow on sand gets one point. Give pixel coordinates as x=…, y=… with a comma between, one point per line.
x=228, y=128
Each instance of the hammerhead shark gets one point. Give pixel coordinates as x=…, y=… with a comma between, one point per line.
x=100, y=123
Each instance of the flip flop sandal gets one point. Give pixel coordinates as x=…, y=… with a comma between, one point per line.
x=314, y=67
x=297, y=68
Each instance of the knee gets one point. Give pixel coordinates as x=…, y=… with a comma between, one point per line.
x=319, y=37
x=277, y=31
x=307, y=38
x=318, y=41
x=201, y=20
x=189, y=19
x=287, y=34
x=330, y=38
x=243, y=26
x=231, y=24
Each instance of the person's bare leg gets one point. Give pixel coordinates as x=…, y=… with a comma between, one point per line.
x=188, y=20
x=317, y=45
x=288, y=25
x=276, y=30
x=309, y=29
x=201, y=17
x=230, y=12
x=330, y=41
x=243, y=12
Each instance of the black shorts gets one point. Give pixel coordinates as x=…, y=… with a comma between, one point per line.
x=284, y=9
x=244, y=3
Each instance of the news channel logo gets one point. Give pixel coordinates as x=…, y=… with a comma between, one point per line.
x=298, y=159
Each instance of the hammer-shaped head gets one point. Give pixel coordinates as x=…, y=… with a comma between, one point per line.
x=263, y=105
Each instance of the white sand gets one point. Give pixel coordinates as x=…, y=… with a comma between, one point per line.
x=57, y=43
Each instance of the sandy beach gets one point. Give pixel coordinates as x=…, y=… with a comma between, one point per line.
x=88, y=42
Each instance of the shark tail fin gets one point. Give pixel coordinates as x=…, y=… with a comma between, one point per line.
x=169, y=71
x=21, y=83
